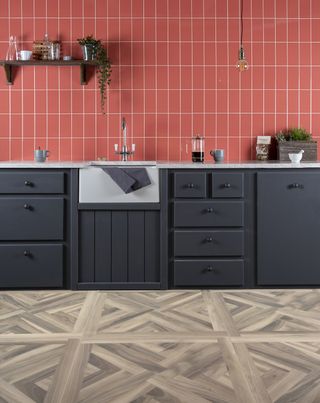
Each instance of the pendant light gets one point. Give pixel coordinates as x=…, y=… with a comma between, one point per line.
x=242, y=64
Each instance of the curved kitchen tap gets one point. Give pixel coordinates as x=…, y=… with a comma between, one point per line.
x=125, y=152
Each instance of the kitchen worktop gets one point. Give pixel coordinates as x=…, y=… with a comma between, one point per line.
x=161, y=164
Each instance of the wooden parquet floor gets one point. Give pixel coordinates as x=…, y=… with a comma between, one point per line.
x=257, y=346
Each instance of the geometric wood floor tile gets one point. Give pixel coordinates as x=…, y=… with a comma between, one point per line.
x=156, y=372
x=272, y=311
x=290, y=371
x=39, y=311
x=149, y=312
x=26, y=371
x=251, y=346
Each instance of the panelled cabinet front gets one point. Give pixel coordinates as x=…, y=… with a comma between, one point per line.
x=119, y=249
x=288, y=228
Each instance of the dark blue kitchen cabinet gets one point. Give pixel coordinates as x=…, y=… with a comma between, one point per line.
x=37, y=233
x=288, y=228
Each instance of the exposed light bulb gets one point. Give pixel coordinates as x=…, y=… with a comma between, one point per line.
x=242, y=64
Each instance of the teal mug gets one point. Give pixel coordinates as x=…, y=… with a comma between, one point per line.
x=218, y=155
x=41, y=155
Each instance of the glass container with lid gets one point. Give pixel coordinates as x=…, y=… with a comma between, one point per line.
x=198, y=148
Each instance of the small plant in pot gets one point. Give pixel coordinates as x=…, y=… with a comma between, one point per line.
x=93, y=50
x=293, y=141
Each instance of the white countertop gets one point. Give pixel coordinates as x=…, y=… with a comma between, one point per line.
x=161, y=164
x=48, y=164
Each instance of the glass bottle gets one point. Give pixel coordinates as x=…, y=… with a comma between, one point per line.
x=198, y=149
x=12, y=53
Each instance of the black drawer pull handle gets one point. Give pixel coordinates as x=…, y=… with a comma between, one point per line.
x=296, y=186
x=209, y=269
x=28, y=183
x=27, y=253
x=190, y=186
x=209, y=239
x=209, y=210
x=227, y=186
x=27, y=207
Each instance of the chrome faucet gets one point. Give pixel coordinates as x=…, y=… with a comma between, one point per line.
x=125, y=152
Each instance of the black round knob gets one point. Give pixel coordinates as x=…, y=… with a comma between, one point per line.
x=227, y=185
x=209, y=239
x=190, y=185
x=28, y=183
x=209, y=268
x=209, y=210
x=27, y=253
x=27, y=207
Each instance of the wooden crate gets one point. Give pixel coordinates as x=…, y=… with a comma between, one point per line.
x=309, y=147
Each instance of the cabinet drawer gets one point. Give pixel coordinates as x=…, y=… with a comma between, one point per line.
x=206, y=273
x=190, y=185
x=208, y=243
x=208, y=214
x=31, y=218
x=31, y=265
x=31, y=182
x=227, y=185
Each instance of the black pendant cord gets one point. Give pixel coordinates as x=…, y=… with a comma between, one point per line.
x=241, y=22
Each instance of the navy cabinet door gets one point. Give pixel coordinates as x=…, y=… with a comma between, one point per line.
x=119, y=249
x=288, y=225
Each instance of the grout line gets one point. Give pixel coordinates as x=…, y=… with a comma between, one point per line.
x=192, y=73
x=287, y=68
x=168, y=85
x=299, y=70
x=82, y=89
x=311, y=77
x=71, y=89
x=22, y=87
x=263, y=70
x=275, y=62
x=59, y=89
x=156, y=85
x=216, y=76
x=180, y=85
x=251, y=81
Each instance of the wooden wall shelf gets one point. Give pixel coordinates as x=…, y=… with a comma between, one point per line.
x=8, y=65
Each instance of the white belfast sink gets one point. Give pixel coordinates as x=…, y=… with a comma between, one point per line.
x=96, y=186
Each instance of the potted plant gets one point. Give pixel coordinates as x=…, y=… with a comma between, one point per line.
x=293, y=141
x=92, y=49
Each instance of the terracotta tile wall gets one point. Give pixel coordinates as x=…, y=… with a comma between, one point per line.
x=173, y=76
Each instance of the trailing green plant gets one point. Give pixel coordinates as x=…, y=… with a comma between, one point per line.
x=294, y=134
x=104, y=66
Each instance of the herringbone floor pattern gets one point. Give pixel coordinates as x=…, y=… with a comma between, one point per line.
x=160, y=346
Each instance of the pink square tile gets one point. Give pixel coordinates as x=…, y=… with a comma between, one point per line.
x=28, y=102
x=281, y=101
x=65, y=126
x=198, y=123
x=4, y=125
x=174, y=125
x=137, y=8
x=150, y=99
x=186, y=102
x=53, y=126
x=162, y=101
x=16, y=150
x=77, y=153
x=28, y=123
x=161, y=8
